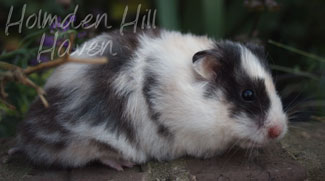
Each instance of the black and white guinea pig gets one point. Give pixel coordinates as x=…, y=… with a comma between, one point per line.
x=162, y=95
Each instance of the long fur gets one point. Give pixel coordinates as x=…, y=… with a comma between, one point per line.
x=148, y=102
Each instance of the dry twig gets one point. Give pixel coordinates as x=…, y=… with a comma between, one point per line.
x=17, y=74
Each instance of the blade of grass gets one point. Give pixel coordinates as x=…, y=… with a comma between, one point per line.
x=13, y=53
x=25, y=40
x=297, y=51
x=293, y=71
x=313, y=103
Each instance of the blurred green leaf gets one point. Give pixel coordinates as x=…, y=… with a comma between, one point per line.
x=167, y=12
x=297, y=51
x=295, y=71
x=213, y=17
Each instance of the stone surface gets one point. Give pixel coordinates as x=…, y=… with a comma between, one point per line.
x=301, y=153
x=306, y=144
x=101, y=173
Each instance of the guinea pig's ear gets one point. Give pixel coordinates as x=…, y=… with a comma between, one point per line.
x=206, y=64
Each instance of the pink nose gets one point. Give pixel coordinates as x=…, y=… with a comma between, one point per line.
x=275, y=131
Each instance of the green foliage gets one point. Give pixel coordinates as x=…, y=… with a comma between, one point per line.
x=20, y=95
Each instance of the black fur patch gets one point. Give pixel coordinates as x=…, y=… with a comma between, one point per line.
x=44, y=119
x=150, y=83
x=103, y=104
x=232, y=79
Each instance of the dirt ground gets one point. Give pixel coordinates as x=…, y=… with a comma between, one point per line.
x=300, y=156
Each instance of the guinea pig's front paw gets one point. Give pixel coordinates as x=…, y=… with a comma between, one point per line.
x=117, y=164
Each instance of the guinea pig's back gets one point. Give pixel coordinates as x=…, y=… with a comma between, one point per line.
x=110, y=102
x=83, y=102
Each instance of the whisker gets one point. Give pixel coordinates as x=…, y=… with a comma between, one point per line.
x=296, y=127
x=237, y=148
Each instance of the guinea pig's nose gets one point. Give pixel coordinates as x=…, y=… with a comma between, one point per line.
x=275, y=131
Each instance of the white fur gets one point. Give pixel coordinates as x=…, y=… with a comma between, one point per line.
x=251, y=64
x=71, y=75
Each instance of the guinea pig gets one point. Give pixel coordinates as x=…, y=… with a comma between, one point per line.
x=162, y=95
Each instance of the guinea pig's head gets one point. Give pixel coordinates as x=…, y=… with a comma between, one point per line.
x=239, y=78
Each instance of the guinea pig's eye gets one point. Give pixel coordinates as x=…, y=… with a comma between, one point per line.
x=248, y=95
